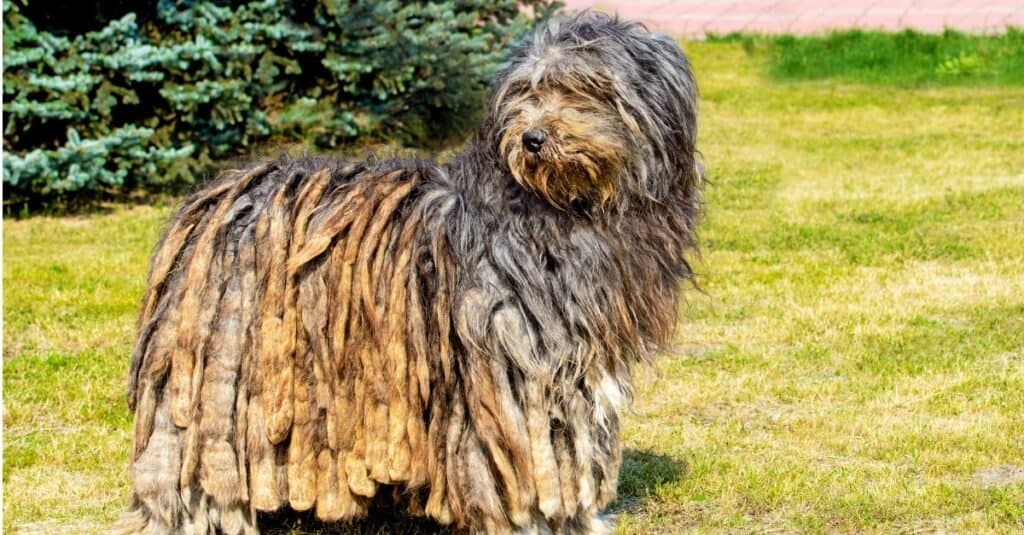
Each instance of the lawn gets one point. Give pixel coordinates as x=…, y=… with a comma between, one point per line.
x=853, y=363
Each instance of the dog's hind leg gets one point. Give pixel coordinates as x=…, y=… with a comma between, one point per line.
x=590, y=524
x=156, y=504
x=159, y=506
x=584, y=524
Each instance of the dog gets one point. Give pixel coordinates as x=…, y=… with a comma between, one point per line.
x=454, y=341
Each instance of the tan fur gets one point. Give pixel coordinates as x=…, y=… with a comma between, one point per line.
x=452, y=340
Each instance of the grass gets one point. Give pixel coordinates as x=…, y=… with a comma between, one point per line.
x=856, y=364
x=908, y=58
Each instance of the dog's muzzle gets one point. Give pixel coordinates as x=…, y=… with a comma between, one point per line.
x=534, y=140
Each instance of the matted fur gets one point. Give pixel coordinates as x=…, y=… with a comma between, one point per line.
x=454, y=339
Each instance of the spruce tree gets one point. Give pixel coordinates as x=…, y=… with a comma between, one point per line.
x=145, y=105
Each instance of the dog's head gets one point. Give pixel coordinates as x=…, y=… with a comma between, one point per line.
x=597, y=112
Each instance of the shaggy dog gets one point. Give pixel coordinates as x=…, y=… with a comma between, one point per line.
x=452, y=340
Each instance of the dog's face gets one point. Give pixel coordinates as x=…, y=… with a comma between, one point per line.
x=594, y=110
x=562, y=140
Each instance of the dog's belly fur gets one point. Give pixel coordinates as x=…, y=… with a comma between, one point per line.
x=314, y=331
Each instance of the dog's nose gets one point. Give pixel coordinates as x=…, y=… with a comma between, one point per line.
x=533, y=140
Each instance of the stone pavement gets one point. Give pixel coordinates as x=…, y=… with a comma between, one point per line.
x=696, y=18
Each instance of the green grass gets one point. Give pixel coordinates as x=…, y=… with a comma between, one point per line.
x=907, y=58
x=855, y=365
x=71, y=289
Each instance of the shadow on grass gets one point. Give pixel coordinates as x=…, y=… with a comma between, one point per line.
x=86, y=204
x=385, y=518
x=379, y=524
x=642, y=473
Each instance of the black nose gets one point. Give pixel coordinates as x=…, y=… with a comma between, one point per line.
x=533, y=140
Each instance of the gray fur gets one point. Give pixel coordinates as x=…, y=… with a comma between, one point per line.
x=454, y=340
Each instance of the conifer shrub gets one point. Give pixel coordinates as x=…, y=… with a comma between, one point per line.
x=149, y=99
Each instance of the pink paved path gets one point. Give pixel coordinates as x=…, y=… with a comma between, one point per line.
x=696, y=18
